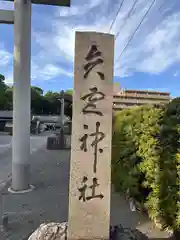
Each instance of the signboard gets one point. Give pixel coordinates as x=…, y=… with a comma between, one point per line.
x=62, y=3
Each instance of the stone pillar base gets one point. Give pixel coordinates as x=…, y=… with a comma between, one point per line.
x=31, y=188
x=20, y=177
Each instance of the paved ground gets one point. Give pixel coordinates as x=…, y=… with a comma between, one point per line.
x=36, y=142
x=49, y=200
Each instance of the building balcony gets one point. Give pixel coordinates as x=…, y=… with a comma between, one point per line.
x=139, y=101
x=127, y=95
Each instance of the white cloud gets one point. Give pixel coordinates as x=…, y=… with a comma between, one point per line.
x=80, y=7
x=162, y=46
x=5, y=58
x=153, y=49
x=6, y=5
x=47, y=72
x=65, y=43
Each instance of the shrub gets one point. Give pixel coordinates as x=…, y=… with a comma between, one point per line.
x=127, y=172
x=169, y=195
x=146, y=159
x=149, y=150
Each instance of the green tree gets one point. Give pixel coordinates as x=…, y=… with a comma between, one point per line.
x=3, y=98
x=36, y=100
x=9, y=97
x=52, y=95
x=40, y=104
x=69, y=91
x=146, y=159
x=125, y=158
x=38, y=90
x=54, y=102
x=169, y=193
x=150, y=150
x=2, y=84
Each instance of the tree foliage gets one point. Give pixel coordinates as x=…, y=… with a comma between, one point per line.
x=41, y=103
x=146, y=159
x=169, y=194
x=4, y=100
x=69, y=91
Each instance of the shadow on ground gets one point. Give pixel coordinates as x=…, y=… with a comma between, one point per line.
x=49, y=201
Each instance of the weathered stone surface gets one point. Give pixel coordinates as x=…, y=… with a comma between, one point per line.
x=50, y=231
x=90, y=177
x=58, y=231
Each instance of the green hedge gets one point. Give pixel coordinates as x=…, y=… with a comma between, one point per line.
x=169, y=194
x=145, y=159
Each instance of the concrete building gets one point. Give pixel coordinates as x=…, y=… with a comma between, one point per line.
x=131, y=98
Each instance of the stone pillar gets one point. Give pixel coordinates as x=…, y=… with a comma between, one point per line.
x=90, y=172
x=21, y=96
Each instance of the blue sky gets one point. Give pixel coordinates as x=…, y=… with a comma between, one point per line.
x=151, y=61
